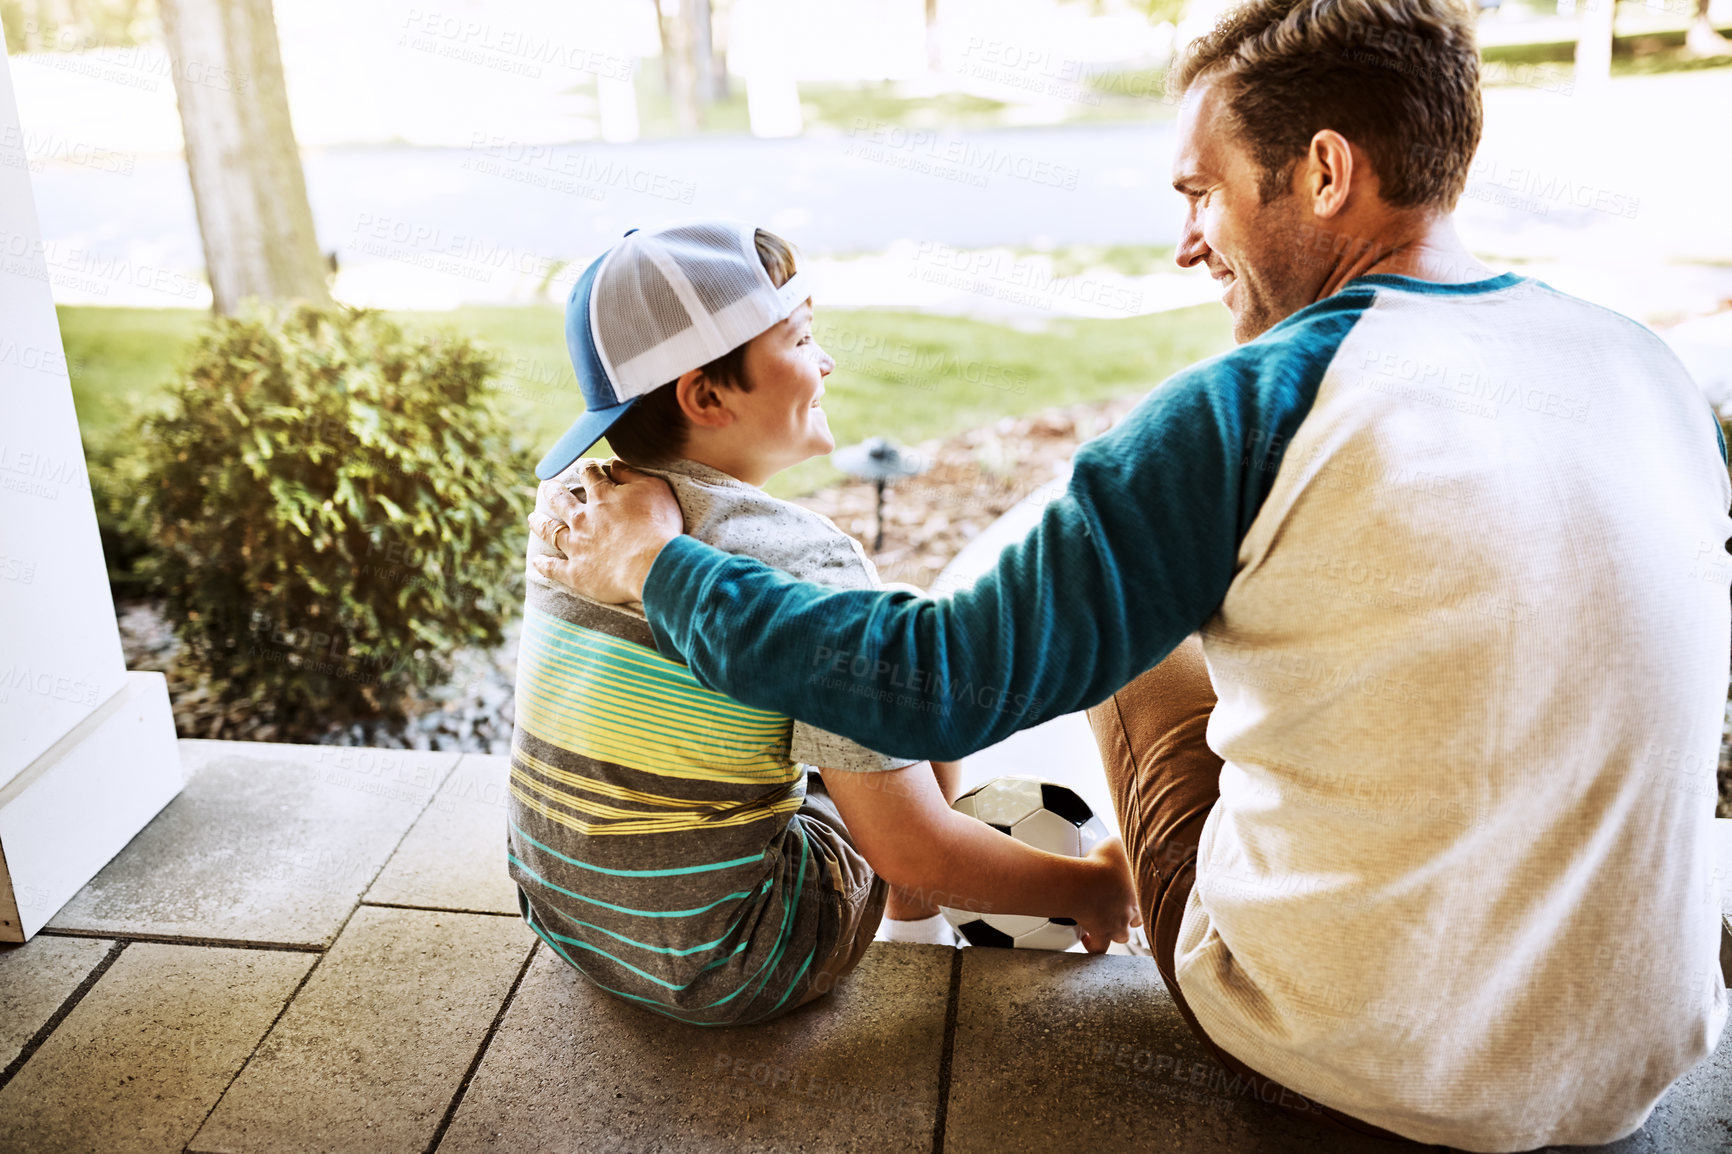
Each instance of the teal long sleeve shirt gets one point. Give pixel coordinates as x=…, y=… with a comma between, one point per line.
x=1128, y=562
x=1135, y=556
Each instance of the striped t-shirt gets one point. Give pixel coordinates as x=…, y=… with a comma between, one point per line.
x=655, y=826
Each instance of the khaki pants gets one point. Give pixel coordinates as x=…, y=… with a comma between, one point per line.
x=1164, y=780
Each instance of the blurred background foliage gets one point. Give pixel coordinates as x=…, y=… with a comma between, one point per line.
x=73, y=25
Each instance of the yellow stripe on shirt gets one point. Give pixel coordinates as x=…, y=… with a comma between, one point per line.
x=608, y=699
x=538, y=795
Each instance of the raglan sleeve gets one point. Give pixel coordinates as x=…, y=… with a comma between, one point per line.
x=1136, y=555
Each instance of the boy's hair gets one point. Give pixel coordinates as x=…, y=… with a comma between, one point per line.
x=653, y=432
x=1399, y=78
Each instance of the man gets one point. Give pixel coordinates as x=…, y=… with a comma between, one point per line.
x=1421, y=817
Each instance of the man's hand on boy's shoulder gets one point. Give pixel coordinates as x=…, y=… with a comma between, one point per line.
x=608, y=541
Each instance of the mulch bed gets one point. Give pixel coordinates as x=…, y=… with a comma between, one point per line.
x=970, y=481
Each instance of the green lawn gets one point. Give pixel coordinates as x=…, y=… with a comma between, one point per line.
x=903, y=375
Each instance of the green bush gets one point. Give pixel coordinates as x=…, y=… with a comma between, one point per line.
x=332, y=507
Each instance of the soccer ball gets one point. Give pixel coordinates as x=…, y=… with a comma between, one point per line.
x=1046, y=816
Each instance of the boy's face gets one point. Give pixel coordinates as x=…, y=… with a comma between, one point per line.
x=779, y=422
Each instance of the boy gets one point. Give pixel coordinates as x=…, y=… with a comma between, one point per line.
x=665, y=839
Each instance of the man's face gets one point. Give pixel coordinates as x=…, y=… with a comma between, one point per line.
x=1256, y=251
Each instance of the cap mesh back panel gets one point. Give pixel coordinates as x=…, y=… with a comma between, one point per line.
x=638, y=309
x=699, y=251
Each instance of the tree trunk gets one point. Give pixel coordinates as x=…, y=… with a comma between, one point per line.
x=718, y=57
x=703, y=52
x=667, y=53
x=677, y=62
x=934, y=49
x=247, y=183
x=1595, y=32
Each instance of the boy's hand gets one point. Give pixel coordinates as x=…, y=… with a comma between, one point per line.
x=1114, y=909
x=610, y=541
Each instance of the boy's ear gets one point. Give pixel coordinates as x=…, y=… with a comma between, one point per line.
x=701, y=400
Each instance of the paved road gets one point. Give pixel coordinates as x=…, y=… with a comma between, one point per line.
x=495, y=216
x=1607, y=198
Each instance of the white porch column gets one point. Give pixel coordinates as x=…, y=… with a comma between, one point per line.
x=1595, y=23
x=87, y=750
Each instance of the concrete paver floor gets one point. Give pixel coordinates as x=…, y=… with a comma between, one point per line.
x=401, y=1005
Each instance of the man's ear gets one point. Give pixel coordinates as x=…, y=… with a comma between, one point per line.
x=701, y=400
x=1329, y=173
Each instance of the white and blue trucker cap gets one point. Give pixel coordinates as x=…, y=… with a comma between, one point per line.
x=661, y=303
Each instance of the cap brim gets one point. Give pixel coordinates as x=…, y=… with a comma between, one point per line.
x=576, y=441
x=592, y=380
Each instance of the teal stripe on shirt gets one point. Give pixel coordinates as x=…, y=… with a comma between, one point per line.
x=511, y=857
x=760, y=978
x=672, y=871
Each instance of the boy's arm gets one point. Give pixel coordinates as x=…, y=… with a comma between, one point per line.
x=899, y=821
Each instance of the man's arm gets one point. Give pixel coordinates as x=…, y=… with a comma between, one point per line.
x=1133, y=558
x=1097, y=593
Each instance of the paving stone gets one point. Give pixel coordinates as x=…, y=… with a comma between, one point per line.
x=147, y=1052
x=268, y=843
x=1090, y=1053
x=573, y=1069
x=371, y=1053
x=35, y=980
x=454, y=856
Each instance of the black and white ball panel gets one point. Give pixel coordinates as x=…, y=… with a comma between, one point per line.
x=1042, y=814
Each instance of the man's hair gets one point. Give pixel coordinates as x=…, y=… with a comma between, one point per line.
x=1398, y=78
x=654, y=431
